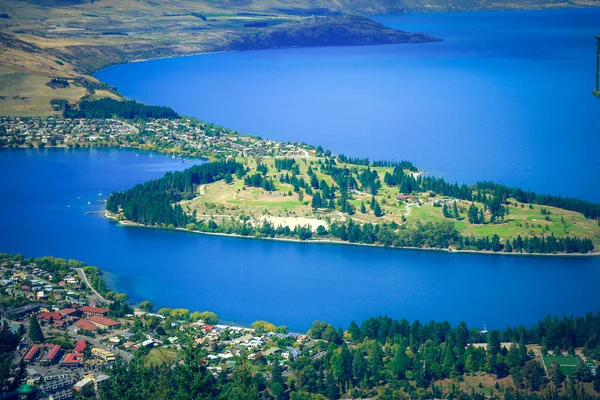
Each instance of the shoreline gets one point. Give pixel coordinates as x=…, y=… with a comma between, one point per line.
x=128, y=223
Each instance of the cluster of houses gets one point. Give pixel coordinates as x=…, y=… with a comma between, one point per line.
x=214, y=140
x=35, y=284
x=164, y=133
x=54, y=131
x=224, y=344
x=63, y=385
x=58, y=372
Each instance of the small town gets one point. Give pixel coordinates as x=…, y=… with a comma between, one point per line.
x=71, y=335
x=180, y=137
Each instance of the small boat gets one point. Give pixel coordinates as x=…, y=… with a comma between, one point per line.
x=89, y=202
x=69, y=206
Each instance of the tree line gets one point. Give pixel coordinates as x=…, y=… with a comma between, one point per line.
x=381, y=358
x=109, y=108
x=377, y=163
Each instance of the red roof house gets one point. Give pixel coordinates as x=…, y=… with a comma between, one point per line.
x=80, y=346
x=85, y=325
x=72, y=359
x=93, y=310
x=103, y=322
x=69, y=312
x=49, y=316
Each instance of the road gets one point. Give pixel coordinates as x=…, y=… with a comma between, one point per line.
x=81, y=273
x=95, y=342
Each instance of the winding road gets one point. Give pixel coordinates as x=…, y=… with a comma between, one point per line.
x=81, y=273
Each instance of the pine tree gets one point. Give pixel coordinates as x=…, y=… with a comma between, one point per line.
x=455, y=210
x=35, y=332
x=363, y=209
x=522, y=349
x=481, y=217
x=377, y=210
x=473, y=214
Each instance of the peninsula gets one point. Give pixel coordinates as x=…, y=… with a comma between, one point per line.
x=261, y=188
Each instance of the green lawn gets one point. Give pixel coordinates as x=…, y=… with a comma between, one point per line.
x=161, y=356
x=566, y=363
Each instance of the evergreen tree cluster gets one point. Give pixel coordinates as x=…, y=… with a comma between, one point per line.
x=430, y=235
x=297, y=183
x=259, y=181
x=284, y=163
x=109, y=108
x=588, y=209
x=406, y=182
x=369, y=181
x=529, y=244
x=378, y=163
x=151, y=203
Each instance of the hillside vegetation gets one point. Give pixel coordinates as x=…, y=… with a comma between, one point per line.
x=351, y=200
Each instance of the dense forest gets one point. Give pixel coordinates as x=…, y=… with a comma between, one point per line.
x=109, y=108
x=383, y=358
x=154, y=203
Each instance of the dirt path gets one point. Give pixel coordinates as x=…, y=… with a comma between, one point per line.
x=407, y=207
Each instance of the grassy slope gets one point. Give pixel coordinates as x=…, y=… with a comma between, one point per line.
x=235, y=200
x=85, y=36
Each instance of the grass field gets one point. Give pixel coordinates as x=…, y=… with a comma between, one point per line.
x=566, y=363
x=161, y=356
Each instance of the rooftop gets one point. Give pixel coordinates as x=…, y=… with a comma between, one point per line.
x=85, y=325
x=103, y=321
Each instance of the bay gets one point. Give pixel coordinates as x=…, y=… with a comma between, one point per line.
x=244, y=280
x=506, y=96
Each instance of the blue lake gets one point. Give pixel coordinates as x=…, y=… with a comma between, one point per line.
x=506, y=96
x=245, y=280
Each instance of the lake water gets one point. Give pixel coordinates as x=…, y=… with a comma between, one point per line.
x=245, y=280
x=506, y=96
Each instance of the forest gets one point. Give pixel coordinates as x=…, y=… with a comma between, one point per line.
x=109, y=108
x=384, y=358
